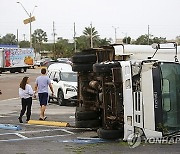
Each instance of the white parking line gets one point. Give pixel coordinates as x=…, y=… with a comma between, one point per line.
x=9, y=99
x=33, y=138
x=22, y=137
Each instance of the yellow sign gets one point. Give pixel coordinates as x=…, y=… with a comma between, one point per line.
x=26, y=21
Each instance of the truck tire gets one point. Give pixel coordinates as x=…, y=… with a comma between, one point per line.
x=109, y=134
x=12, y=71
x=60, y=98
x=21, y=70
x=87, y=123
x=105, y=67
x=86, y=115
x=84, y=59
x=82, y=67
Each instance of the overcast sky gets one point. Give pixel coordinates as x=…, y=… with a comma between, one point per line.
x=130, y=17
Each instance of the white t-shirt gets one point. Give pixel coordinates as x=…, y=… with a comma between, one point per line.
x=28, y=92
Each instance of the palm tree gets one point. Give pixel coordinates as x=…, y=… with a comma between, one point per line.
x=87, y=33
x=38, y=37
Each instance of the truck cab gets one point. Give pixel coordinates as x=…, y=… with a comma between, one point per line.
x=121, y=97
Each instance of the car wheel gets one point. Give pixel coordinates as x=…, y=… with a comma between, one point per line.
x=60, y=98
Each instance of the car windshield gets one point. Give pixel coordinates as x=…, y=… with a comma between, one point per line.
x=69, y=76
x=171, y=96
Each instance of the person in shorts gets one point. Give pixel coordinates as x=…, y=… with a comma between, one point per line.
x=41, y=86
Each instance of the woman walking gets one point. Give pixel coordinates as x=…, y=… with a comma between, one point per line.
x=25, y=93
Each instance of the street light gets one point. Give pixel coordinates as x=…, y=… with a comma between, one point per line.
x=29, y=20
x=115, y=28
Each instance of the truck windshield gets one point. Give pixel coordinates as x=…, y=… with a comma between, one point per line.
x=171, y=96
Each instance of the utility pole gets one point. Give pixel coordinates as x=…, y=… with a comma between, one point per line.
x=54, y=39
x=29, y=20
x=115, y=29
x=17, y=37
x=74, y=37
x=148, y=34
x=91, y=37
x=24, y=35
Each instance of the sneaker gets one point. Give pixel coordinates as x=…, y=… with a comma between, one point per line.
x=41, y=119
x=45, y=118
x=20, y=120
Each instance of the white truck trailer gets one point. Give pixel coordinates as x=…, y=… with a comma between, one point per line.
x=124, y=97
x=16, y=59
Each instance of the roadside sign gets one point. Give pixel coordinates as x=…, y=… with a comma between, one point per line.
x=26, y=21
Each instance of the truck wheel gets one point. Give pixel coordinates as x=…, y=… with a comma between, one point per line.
x=87, y=123
x=86, y=115
x=21, y=70
x=109, y=134
x=82, y=67
x=105, y=67
x=89, y=58
x=60, y=98
x=12, y=71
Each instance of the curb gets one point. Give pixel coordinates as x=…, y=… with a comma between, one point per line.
x=49, y=123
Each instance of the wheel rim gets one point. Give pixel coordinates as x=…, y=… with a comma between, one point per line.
x=22, y=70
x=60, y=98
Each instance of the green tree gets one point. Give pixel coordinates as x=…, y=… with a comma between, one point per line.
x=104, y=42
x=82, y=42
x=127, y=40
x=0, y=40
x=38, y=37
x=143, y=40
x=63, y=48
x=9, y=39
x=159, y=40
x=24, y=44
x=95, y=36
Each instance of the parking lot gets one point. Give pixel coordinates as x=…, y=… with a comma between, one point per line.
x=52, y=139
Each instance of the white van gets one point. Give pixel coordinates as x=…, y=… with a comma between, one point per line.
x=64, y=82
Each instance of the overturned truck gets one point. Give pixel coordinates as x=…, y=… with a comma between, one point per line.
x=121, y=97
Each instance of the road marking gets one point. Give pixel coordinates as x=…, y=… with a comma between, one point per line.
x=9, y=99
x=33, y=138
x=22, y=137
x=67, y=131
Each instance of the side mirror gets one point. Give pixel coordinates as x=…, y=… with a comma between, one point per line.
x=55, y=79
x=155, y=46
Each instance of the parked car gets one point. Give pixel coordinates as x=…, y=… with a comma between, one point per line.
x=38, y=63
x=45, y=61
x=64, y=83
x=51, y=62
x=65, y=60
